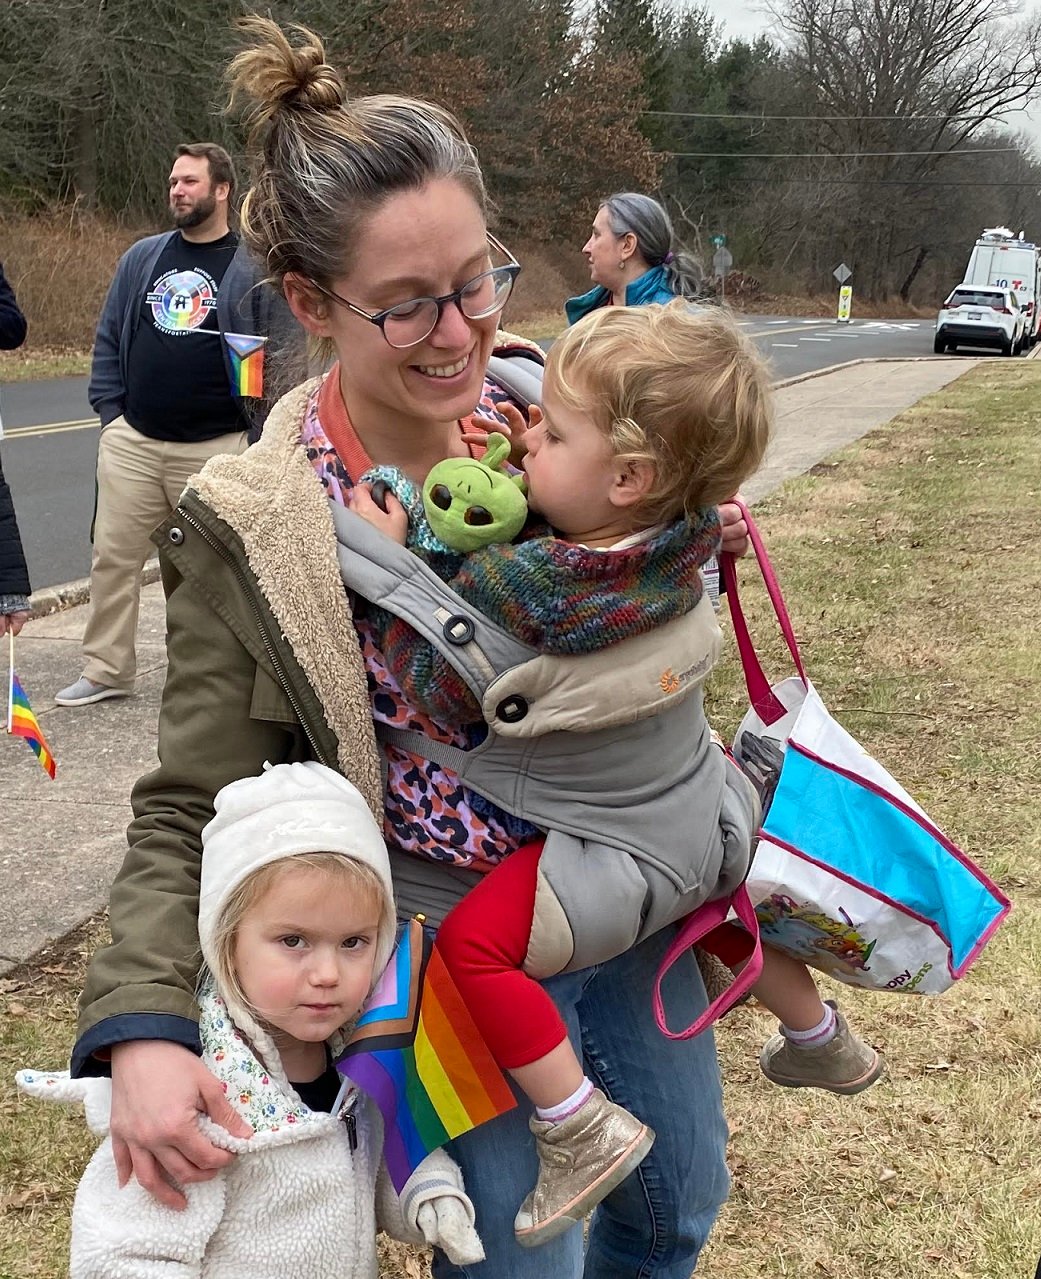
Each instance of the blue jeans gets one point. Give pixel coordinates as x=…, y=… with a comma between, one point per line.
x=657, y=1221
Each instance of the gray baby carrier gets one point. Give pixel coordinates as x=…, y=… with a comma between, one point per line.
x=608, y=752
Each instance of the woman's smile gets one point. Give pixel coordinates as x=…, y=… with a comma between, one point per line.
x=445, y=370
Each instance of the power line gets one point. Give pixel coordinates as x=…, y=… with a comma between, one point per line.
x=732, y=115
x=823, y=155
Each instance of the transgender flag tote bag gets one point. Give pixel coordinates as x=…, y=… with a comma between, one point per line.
x=850, y=875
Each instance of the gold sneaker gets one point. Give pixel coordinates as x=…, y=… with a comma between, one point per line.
x=581, y=1160
x=845, y=1064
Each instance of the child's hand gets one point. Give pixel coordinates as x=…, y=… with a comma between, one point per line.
x=435, y=1205
x=516, y=425
x=13, y=622
x=735, y=530
x=446, y=1224
x=392, y=523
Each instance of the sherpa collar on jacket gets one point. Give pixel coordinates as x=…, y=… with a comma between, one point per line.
x=272, y=499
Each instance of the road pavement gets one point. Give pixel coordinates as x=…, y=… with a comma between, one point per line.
x=51, y=440
x=64, y=839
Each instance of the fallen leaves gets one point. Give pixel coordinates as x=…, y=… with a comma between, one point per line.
x=39, y=1192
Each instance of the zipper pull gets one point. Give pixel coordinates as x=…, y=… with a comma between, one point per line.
x=345, y=1112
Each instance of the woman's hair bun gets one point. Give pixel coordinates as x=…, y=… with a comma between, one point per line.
x=272, y=75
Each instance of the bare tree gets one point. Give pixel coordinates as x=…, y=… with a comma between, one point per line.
x=904, y=88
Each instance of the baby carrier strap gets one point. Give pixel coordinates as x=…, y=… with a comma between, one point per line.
x=393, y=578
x=524, y=693
x=519, y=373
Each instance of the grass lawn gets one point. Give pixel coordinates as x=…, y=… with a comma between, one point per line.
x=911, y=563
x=31, y=366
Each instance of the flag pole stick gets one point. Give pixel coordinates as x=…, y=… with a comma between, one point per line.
x=10, y=677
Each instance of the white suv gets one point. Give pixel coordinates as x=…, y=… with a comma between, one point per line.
x=981, y=315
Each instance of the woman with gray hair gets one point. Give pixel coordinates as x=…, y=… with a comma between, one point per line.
x=634, y=258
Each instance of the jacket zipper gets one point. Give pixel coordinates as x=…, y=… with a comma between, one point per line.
x=269, y=647
x=347, y=1117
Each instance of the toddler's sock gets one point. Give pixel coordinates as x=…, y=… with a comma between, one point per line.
x=554, y=1114
x=817, y=1036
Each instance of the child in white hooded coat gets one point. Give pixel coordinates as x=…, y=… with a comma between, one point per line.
x=296, y=923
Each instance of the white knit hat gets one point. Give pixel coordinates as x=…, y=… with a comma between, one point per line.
x=287, y=810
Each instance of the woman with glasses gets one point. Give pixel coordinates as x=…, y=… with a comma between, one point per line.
x=634, y=258
x=371, y=217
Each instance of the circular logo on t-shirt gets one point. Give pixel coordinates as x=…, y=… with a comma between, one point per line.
x=182, y=300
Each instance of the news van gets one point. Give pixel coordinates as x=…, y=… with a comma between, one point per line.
x=1007, y=261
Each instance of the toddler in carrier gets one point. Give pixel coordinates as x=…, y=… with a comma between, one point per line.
x=651, y=416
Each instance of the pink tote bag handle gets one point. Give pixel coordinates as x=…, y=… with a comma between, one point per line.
x=761, y=696
x=691, y=931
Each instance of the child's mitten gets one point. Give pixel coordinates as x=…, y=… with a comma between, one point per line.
x=435, y=1204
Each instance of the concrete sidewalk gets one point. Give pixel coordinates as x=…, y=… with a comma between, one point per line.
x=64, y=840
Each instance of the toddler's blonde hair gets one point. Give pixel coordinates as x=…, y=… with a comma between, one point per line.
x=673, y=385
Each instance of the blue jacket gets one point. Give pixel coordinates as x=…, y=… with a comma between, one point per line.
x=646, y=288
x=244, y=305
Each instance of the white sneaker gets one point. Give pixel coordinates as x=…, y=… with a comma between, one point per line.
x=85, y=691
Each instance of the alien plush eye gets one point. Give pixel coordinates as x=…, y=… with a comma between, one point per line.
x=477, y=515
x=441, y=496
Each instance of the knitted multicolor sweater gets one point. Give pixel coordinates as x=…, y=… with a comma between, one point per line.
x=556, y=596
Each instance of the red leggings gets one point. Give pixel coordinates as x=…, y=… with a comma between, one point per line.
x=484, y=941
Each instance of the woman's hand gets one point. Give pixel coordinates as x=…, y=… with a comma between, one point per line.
x=13, y=622
x=159, y=1090
x=392, y=523
x=514, y=430
x=735, y=530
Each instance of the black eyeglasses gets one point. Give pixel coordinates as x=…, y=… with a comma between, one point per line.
x=410, y=323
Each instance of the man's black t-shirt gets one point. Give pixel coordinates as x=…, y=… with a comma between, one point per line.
x=177, y=380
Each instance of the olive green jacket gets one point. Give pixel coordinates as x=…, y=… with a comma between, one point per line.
x=264, y=665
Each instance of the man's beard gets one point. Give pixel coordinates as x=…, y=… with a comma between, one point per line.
x=196, y=214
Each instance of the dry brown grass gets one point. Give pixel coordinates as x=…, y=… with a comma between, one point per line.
x=61, y=265
x=912, y=570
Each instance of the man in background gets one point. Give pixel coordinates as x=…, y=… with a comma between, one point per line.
x=166, y=386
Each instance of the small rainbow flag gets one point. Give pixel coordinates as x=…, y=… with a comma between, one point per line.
x=23, y=723
x=418, y=1054
x=247, y=363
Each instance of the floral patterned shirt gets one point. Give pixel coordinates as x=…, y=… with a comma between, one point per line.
x=427, y=811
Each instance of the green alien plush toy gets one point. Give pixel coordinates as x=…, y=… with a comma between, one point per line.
x=471, y=503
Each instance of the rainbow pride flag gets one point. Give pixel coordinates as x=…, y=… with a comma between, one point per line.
x=247, y=363
x=23, y=723
x=418, y=1054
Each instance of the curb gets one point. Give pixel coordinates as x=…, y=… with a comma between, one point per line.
x=852, y=364
x=55, y=599
x=881, y=359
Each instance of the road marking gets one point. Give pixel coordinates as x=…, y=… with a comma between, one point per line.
x=892, y=325
x=815, y=339
x=49, y=428
x=766, y=333
x=794, y=345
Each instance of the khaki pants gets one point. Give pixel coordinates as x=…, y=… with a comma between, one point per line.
x=139, y=483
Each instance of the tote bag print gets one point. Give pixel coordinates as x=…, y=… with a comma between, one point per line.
x=850, y=875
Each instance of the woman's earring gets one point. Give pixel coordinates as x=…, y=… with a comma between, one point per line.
x=621, y=265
